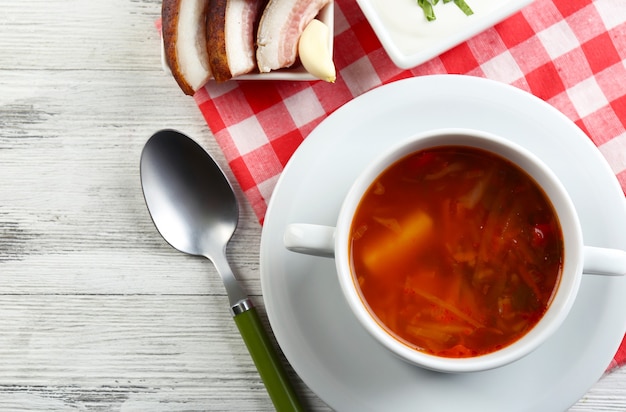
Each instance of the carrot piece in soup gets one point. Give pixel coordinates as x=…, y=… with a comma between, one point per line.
x=399, y=243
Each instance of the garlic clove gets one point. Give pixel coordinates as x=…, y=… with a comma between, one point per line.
x=313, y=49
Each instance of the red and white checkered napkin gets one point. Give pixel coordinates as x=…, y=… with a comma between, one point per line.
x=571, y=53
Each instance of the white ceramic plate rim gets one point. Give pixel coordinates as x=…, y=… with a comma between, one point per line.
x=327, y=347
x=405, y=55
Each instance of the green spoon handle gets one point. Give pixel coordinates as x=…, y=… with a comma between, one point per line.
x=267, y=362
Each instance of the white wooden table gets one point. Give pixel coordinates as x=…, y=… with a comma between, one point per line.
x=96, y=311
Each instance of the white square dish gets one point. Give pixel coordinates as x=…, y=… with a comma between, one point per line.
x=294, y=73
x=410, y=39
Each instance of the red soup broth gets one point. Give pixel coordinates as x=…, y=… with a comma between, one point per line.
x=456, y=251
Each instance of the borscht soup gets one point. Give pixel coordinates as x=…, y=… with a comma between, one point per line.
x=456, y=251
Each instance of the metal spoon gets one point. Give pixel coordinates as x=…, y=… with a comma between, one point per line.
x=193, y=206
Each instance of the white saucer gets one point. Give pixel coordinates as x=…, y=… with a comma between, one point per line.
x=313, y=325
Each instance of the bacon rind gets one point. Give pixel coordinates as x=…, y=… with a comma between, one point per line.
x=216, y=40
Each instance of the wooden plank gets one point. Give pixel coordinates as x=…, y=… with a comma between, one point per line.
x=97, y=312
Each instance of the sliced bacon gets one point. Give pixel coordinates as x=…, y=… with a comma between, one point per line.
x=231, y=29
x=184, y=39
x=279, y=30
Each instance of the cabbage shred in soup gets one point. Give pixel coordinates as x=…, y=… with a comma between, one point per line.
x=456, y=251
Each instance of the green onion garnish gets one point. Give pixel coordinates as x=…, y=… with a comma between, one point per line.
x=461, y=4
x=427, y=6
x=429, y=13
